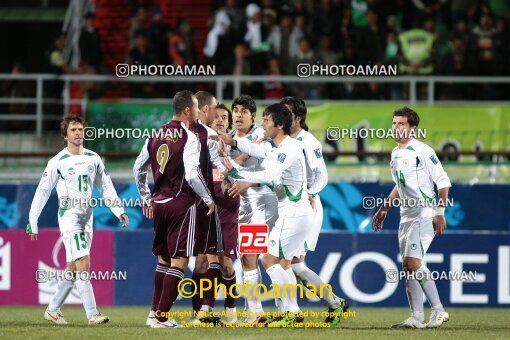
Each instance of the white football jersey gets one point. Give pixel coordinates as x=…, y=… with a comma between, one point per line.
x=316, y=171
x=74, y=177
x=414, y=170
x=252, y=197
x=284, y=168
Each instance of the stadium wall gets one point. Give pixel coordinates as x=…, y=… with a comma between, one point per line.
x=346, y=207
x=360, y=267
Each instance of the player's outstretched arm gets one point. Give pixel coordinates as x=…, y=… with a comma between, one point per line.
x=48, y=181
x=105, y=185
x=272, y=167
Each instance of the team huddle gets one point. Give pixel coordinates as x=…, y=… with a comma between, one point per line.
x=215, y=169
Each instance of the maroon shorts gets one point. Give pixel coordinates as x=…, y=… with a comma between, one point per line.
x=174, y=227
x=228, y=213
x=208, y=239
x=230, y=232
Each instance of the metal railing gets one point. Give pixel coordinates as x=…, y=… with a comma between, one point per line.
x=220, y=82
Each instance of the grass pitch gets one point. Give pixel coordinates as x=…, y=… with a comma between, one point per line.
x=369, y=323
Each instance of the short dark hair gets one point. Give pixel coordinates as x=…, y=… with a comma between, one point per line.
x=246, y=101
x=292, y=102
x=204, y=98
x=412, y=117
x=230, y=118
x=64, y=124
x=281, y=116
x=301, y=112
x=182, y=100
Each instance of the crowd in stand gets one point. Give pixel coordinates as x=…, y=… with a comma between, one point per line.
x=422, y=37
x=271, y=37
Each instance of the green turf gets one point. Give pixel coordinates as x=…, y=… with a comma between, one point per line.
x=369, y=323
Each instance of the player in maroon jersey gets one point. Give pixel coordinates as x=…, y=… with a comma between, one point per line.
x=208, y=237
x=173, y=156
x=228, y=212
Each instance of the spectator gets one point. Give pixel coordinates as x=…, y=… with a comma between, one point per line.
x=359, y=10
x=17, y=89
x=306, y=55
x=182, y=49
x=141, y=54
x=485, y=45
x=158, y=35
x=220, y=43
x=138, y=24
x=298, y=31
x=416, y=51
x=273, y=89
x=391, y=50
x=326, y=19
x=429, y=8
x=463, y=10
x=237, y=18
x=55, y=64
x=455, y=63
x=256, y=33
x=280, y=40
x=90, y=44
x=90, y=89
x=326, y=53
x=370, y=42
x=244, y=66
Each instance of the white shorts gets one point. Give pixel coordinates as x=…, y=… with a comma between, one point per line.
x=287, y=238
x=77, y=244
x=263, y=211
x=315, y=229
x=415, y=237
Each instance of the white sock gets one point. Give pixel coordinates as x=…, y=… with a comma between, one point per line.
x=429, y=288
x=252, y=303
x=279, y=277
x=415, y=297
x=292, y=291
x=64, y=287
x=87, y=297
x=308, y=276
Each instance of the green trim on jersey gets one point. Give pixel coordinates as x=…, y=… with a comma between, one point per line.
x=64, y=157
x=280, y=250
x=421, y=247
x=306, y=246
x=234, y=174
x=29, y=229
x=293, y=198
x=299, y=139
x=249, y=137
x=270, y=186
x=409, y=147
x=88, y=153
x=427, y=198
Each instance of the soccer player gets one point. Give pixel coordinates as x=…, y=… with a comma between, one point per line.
x=74, y=171
x=415, y=169
x=259, y=204
x=284, y=168
x=317, y=179
x=173, y=158
x=228, y=212
x=208, y=239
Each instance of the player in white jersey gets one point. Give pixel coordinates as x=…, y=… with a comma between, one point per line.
x=284, y=168
x=74, y=171
x=415, y=169
x=317, y=179
x=259, y=204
